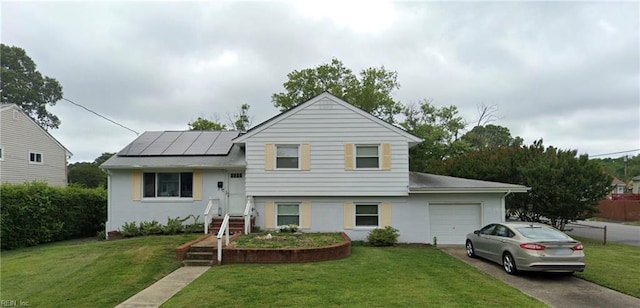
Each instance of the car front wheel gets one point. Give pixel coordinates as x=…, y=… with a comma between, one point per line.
x=470, y=250
x=509, y=264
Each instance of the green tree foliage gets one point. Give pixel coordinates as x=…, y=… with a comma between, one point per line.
x=370, y=91
x=439, y=127
x=89, y=174
x=616, y=166
x=564, y=186
x=489, y=136
x=22, y=84
x=204, y=124
x=241, y=120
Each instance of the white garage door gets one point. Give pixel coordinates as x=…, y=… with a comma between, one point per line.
x=450, y=222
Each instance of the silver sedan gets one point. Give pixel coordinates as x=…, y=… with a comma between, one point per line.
x=526, y=247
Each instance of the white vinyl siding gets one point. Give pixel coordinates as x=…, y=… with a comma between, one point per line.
x=327, y=126
x=20, y=137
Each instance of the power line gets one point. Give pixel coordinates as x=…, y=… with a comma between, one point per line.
x=621, y=152
x=112, y=121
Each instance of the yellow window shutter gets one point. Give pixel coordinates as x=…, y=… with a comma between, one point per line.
x=306, y=157
x=305, y=219
x=270, y=215
x=268, y=156
x=348, y=215
x=197, y=185
x=136, y=188
x=386, y=156
x=348, y=156
x=386, y=214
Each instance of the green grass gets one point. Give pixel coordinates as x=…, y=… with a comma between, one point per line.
x=615, y=266
x=632, y=223
x=287, y=240
x=87, y=273
x=370, y=277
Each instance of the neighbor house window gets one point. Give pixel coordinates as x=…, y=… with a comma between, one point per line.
x=35, y=158
x=1, y=154
x=367, y=156
x=287, y=156
x=288, y=213
x=168, y=184
x=367, y=215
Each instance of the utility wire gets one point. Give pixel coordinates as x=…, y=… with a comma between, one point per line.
x=112, y=121
x=621, y=152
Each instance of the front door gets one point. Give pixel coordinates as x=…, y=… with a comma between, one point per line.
x=237, y=200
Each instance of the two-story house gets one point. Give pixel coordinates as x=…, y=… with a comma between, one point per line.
x=28, y=152
x=324, y=165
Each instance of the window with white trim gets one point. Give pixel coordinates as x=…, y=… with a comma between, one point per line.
x=35, y=158
x=167, y=184
x=367, y=156
x=287, y=156
x=287, y=214
x=367, y=215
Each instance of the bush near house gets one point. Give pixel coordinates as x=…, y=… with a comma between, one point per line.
x=383, y=237
x=35, y=213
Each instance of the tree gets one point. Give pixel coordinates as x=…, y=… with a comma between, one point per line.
x=23, y=85
x=564, y=186
x=89, y=174
x=371, y=91
x=490, y=136
x=439, y=127
x=204, y=124
x=241, y=120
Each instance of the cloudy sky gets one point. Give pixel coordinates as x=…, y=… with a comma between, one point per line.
x=563, y=71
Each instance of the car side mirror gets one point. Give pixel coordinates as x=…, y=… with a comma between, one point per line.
x=477, y=232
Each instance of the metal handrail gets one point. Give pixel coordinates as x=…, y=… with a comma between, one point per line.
x=224, y=231
x=213, y=204
x=247, y=215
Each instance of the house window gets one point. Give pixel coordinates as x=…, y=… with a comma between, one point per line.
x=367, y=156
x=236, y=175
x=166, y=184
x=35, y=158
x=288, y=213
x=367, y=215
x=1, y=154
x=287, y=156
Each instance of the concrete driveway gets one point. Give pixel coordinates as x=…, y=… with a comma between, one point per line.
x=555, y=290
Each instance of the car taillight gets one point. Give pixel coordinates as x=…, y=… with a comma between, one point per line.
x=578, y=247
x=532, y=246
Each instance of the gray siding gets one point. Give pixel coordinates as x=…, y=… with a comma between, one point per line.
x=326, y=126
x=410, y=215
x=17, y=138
x=122, y=208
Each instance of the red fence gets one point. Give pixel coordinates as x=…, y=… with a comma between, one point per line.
x=626, y=210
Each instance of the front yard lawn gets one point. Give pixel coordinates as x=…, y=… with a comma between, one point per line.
x=87, y=273
x=615, y=266
x=370, y=277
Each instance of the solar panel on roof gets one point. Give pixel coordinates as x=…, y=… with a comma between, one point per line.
x=188, y=143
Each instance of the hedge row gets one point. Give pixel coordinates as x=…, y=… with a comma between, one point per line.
x=36, y=213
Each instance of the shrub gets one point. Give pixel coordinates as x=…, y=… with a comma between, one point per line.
x=383, y=237
x=174, y=226
x=292, y=228
x=35, y=213
x=130, y=229
x=152, y=227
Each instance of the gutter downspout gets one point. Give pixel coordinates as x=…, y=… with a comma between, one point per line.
x=503, y=207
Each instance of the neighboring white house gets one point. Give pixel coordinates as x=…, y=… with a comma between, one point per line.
x=324, y=165
x=28, y=152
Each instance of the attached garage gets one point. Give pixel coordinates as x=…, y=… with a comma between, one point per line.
x=450, y=222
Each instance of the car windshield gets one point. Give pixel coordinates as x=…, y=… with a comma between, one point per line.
x=538, y=232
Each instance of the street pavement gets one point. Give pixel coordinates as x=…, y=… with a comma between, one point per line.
x=616, y=232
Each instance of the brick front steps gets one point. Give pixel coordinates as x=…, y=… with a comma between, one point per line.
x=198, y=253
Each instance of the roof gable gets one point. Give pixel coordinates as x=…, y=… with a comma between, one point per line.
x=7, y=107
x=181, y=143
x=325, y=95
